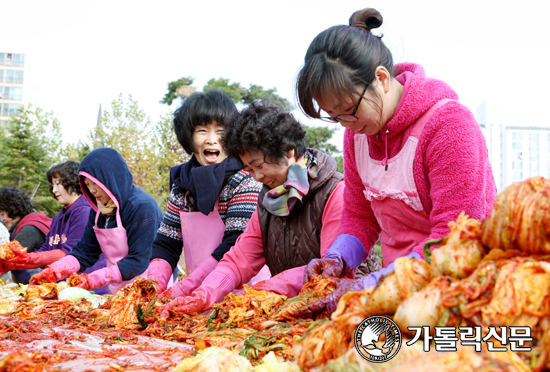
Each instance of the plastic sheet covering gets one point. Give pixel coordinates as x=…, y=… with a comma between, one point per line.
x=84, y=350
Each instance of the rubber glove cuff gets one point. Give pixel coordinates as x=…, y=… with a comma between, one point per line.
x=65, y=267
x=217, y=285
x=349, y=250
x=190, y=283
x=160, y=270
x=47, y=257
x=104, y=276
x=373, y=278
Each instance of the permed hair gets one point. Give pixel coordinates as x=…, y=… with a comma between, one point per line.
x=341, y=61
x=200, y=109
x=264, y=127
x=15, y=202
x=68, y=172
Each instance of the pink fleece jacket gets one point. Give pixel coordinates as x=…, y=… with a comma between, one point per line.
x=246, y=258
x=451, y=165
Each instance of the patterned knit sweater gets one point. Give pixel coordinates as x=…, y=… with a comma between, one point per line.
x=238, y=200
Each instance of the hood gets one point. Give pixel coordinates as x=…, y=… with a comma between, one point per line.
x=106, y=168
x=419, y=95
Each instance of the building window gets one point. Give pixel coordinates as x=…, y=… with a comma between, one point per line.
x=10, y=59
x=534, y=146
x=18, y=60
x=533, y=136
x=518, y=176
x=534, y=156
x=517, y=165
x=15, y=94
x=516, y=136
x=11, y=76
x=533, y=173
x=517, y=155
x=517, y=146
x=548, y=146
x=10, y=109
x=534, y=166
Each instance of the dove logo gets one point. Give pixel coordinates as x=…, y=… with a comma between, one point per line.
x=378, y=339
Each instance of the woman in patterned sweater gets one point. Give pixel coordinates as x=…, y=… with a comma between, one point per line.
x=211, y=197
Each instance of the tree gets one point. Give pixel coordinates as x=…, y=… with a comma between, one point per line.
x=238, y=93
x=30, y=146
x=318, y=137
x=179, y=88
x=170, y=153
x=150, y=150
x=75, y=152
x=127, y=129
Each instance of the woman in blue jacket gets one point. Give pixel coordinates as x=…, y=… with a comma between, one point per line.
x=122, y=225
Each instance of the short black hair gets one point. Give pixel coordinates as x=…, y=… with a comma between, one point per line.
x=265, y=127
x=68, y=172
x=200, y=109
x=15, y=202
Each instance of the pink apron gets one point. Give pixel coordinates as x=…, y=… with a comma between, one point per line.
x=201, y=235
x=114, y=245
x=393, y=194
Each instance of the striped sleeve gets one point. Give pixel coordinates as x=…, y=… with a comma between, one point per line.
x=171, y=225
x=238, y=200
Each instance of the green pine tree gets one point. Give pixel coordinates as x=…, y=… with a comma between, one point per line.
x=30, y=145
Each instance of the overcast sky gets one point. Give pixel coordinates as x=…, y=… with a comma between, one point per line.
x=80, y=54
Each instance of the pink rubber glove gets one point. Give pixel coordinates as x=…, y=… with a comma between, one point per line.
x=189, y=284
x=56, y=271
x=34, y=260
x=288, y=283
x=160, y=271
x=213, y=289
x=100, y=278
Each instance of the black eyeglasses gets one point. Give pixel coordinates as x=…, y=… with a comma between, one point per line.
x=346, y=117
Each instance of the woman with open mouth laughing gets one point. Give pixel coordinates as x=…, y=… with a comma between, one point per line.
x=211, y=198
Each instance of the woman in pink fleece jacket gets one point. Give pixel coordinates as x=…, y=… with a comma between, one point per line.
x=414, y=156
x=298, y=210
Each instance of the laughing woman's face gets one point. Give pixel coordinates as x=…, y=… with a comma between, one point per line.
x=206, y=139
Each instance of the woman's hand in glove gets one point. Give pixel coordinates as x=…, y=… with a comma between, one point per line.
x=47, y=275
x=183, y=304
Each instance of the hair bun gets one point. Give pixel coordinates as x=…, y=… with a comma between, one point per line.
x=366, y=19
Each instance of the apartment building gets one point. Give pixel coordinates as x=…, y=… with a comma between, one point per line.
x=12, y=71
x=516, y=152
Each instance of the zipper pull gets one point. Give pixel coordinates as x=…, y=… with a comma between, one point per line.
x=386, y=158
